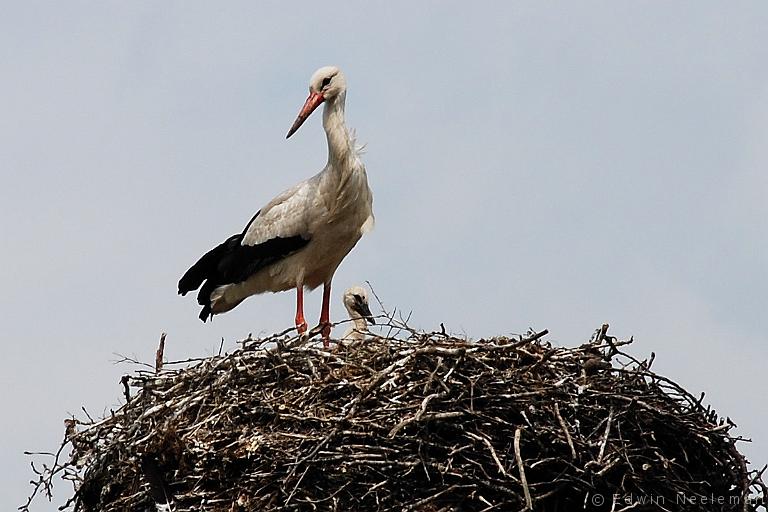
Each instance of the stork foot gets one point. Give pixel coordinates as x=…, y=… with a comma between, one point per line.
x=325, y=329
x=301, y=328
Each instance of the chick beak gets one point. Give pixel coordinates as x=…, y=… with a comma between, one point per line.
x=364, y=311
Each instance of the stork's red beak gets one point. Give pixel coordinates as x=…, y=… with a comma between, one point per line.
x=314, y=101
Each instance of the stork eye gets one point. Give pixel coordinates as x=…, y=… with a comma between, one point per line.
x=326, y=82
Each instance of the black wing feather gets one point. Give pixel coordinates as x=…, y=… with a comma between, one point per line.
x=231, y=262
x=206, y=266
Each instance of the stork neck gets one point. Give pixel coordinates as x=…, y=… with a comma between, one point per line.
x=360, y=324
x=339, y=143
x=359, y=328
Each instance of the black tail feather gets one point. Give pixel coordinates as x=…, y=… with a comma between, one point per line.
x=205, y=313
x=231, y=262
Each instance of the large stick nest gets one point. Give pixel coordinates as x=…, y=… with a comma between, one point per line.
x=410, y=421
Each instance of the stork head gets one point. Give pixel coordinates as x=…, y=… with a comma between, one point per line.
x=356, y=302
x=327, y=84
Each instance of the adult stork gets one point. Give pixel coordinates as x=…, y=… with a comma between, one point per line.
x=300, y=237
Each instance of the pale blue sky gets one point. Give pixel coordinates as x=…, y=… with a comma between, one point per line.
x=553, y=166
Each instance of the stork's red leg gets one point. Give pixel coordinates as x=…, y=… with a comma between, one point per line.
x=325, y=322
x=301, y=324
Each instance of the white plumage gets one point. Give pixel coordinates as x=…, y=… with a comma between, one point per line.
x=356, y=302
x=299, y=238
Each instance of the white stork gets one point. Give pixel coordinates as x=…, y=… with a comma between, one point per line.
x=356, y=302
x=300, y=237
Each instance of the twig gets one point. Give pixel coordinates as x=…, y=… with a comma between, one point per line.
x=487, y=443
x=564, y=426
x=521, y=470
x=605, y=436
x=159, y=354
x=124, y=380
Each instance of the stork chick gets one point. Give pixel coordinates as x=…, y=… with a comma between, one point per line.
x=356, y=302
